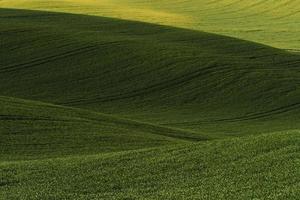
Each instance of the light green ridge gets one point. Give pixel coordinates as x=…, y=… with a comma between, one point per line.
x=272, y=22
x=261, y=167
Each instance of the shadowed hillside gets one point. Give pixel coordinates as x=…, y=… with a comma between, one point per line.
x=152, y=73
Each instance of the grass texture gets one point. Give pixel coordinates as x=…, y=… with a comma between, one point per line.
x=261, y=167
x=162, y=75
x=94, y=107
x=34, y=130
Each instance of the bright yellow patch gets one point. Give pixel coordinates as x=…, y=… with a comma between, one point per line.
x=105, y=8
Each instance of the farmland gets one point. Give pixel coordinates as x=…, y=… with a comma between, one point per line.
x=275, y=23
x=149, y=99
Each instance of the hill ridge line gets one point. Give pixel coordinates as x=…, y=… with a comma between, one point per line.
x=169, y=131
x=107, y=155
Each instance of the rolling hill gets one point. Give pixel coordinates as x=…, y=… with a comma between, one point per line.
x=35, y=130
x=158, y=74
x=106, y=99
x=261, y=167
x=274, y=22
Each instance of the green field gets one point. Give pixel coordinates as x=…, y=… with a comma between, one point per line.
x=262, y=167
x=149, y=99
x=271, y=22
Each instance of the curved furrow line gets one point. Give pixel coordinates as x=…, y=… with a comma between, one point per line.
x=219, y=7
x=211, y=2
x=266, y=114
x=249, y=16
x=28, y=118
x=276, y=7
x=245, y=8
x=225, y=10
x=47, y=59
x=35, y=42
x=253, y=116
x=172, y=83
x=151, y=70
x=52, y=58
x=27, y=16
x=295, y=63
x=254, y=14
x=153, y=88
x=287, y=15
x=16, y=31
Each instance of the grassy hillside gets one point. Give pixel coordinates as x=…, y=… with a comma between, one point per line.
x=262, y=167
x=275, y=23
x=104, y=108
x=153, y=73
x=34, y=130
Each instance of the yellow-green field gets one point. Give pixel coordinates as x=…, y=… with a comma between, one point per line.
x=272, y=22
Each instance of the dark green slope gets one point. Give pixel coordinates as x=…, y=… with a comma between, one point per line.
x=261, y=167
x=162, y=89
x=148, y=72
x=34, y=130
